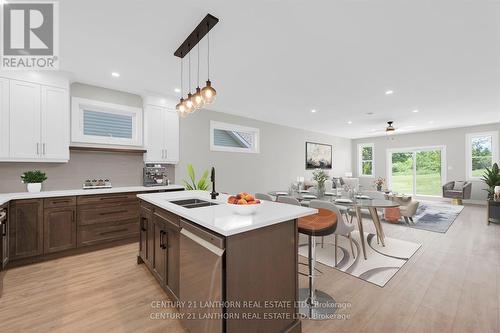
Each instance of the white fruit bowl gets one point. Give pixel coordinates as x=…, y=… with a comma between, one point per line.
x=244, y=209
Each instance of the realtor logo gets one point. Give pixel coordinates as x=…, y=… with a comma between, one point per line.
x=30, y=36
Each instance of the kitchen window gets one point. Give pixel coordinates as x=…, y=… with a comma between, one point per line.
x=481, y=153
x=233, y=138
x=105, y=123
x=366, y=160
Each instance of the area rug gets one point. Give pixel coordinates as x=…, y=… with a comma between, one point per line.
x=436, y=217
x=381, y=265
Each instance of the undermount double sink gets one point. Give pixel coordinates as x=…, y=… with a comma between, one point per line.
x=193, y=203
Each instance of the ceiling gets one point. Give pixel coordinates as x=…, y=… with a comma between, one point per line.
x=276, y=60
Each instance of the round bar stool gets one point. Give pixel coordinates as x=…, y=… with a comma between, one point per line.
x=315, y=304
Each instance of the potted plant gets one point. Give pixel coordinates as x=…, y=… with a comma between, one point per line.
x=34, y=180
x=192, y=184
x=320, y=176
x=491, y=178
x=379, y=182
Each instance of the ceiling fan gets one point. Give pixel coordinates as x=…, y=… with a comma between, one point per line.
x=391, y=129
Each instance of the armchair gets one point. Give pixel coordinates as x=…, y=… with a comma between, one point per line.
x=457, y=191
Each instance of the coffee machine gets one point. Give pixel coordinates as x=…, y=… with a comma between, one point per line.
x=154, y=175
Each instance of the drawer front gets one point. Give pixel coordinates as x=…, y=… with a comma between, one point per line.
x=106, y=198
x=94, y=234
x=59, y=202
x=169, y=218
x=112, y=213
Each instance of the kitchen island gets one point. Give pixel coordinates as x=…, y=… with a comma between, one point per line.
x=224, y=272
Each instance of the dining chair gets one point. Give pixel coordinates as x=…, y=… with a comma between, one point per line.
x=343, y=228
x=263, y=196
x=288, y=200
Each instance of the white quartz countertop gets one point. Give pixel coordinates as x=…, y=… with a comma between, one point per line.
x=6, y=197
x=221, y=218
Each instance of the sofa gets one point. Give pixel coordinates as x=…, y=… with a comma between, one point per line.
x=457, y=191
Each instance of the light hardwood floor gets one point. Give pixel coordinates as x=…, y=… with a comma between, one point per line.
x=450, y=285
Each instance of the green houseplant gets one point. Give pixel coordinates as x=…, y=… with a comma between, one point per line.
x=34, y=180
x=320, y=176
x=491, y=178
x=192, y=184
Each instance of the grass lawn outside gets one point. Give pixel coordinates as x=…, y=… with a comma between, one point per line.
x=429, y=184
x=478, y=172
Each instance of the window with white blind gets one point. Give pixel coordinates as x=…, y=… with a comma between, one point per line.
x=105, y=123
x=233, y=138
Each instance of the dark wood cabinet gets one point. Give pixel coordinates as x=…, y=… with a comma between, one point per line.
x=4, y=239
x=26, y=229
x=59, y=228
x=159, y=246
x=145, y=225
x=107, y=218
x=160, y=250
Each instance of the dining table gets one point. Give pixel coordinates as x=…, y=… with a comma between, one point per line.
x=356, y=203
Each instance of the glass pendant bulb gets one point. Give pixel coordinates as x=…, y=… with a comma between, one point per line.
x=189, y=103
x=198, y=99
x=181, y=106
x=208, y=93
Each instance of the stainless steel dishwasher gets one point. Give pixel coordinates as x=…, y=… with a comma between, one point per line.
x=201, y=282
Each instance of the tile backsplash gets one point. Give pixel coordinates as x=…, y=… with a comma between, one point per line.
x=122, y=169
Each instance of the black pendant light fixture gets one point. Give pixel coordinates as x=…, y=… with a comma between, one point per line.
x=206, y=95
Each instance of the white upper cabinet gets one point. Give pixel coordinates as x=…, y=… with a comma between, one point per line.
x=171, y=121
x=55, y=123
x=161, y=131
x=34, y=122
x=4, y=118
x=25, y=135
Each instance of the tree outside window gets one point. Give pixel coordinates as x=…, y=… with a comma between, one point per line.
x=366, y=160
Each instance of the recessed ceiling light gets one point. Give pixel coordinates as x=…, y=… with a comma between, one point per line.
x=431, y=121
x=177, y=90
x=313, y=111
x=389, y=92
x=370, y=113
x=115, y=74
x=349, y=122
x=415, y=111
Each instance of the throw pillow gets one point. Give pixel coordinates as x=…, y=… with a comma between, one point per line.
x=459, y=186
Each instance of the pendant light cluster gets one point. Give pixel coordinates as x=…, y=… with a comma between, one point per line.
x=200, y=97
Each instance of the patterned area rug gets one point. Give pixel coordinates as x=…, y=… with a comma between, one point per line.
x=437, y=217
x=381, y=265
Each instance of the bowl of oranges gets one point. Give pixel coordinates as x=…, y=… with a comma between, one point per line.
x=243, y=203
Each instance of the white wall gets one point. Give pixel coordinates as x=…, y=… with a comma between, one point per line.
x=454, y=140
x=280, y=161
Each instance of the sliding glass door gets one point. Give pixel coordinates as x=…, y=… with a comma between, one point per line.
x=416, y=171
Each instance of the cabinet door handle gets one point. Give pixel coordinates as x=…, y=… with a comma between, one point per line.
x=161, y=239
x=4, y=230
x=163, y=244
x=38, y=148
x=166, y=153
x=43, y=148
x=143, y=220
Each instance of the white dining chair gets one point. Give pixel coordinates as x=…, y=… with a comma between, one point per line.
x=343, y=228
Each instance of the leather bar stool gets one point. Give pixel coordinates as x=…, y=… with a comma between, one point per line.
x=315, y=304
